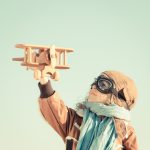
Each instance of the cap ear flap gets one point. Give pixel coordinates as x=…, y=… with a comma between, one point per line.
x=126, y=94
x=123, y=93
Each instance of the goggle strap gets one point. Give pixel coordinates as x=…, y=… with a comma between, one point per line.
x=114, y=91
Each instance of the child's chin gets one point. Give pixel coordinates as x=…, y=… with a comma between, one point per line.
x=91, y=99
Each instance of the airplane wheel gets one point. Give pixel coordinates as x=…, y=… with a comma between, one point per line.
x=55, y=76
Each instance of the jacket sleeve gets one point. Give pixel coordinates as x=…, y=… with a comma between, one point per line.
x=59, y=116
x=130, y=143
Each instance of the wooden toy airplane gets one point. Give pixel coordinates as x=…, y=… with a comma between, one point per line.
x=44, y=60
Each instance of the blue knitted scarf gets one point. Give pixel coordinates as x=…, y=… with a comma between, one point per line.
x=97, y=134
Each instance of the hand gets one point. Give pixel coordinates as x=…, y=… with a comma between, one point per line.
x=41, y=75
x=46, y=67
x=43, y=80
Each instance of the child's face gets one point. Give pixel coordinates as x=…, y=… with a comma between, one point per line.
x=96, y=96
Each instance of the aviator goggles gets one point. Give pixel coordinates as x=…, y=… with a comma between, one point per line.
x=105, y=85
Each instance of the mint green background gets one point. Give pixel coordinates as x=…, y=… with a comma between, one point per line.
x=109, y=34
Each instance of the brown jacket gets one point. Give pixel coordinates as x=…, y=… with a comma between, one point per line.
x=66, y=123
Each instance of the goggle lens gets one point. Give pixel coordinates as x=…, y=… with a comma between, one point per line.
x=104, y=84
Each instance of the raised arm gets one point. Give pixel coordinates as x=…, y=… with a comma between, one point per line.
x=54, y=110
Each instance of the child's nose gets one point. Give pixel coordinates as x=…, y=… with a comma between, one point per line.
x=93, y=87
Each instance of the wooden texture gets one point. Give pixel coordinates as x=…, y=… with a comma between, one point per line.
x=44, y=60
x=58, y=49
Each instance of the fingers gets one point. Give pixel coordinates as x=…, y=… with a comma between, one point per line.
x=42, y=74
x=37, y=74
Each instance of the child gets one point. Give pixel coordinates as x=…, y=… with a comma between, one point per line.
x=101, y=122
